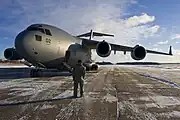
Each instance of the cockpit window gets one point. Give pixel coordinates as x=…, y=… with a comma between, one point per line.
x=38, y=37
x=48, y=32
x=35, y=29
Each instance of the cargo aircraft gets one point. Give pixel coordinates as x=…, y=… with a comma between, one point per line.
x=46, y=46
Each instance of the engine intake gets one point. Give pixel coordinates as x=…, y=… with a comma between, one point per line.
x=103, y=49
x=138, y=53
x=11, y=54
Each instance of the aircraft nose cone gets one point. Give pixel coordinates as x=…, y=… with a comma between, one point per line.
x=22, y=41
x=19, y=40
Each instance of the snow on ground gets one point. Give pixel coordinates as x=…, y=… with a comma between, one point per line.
x=12, y=66
x=23, y=118
x=161, y=101
x=144, y=85
x=16, y=82
x=67, y=93
x=126, y=107
x=164, y=101
x=167, y=74
x=150, y=105
x=170, y=114
x=166, y=81
x=30, y=87
x=110, y=98
x=47, y=107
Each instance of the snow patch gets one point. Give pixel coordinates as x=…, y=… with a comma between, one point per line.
x=134, y=80
x=161, y=101
x=170, y=114
x=126, y=93
x=136, y=113
x=23, y=118
x=67, y=93
x=168, y=82
x=150, y=105
x=144, y=98
x=144, y=85
x=147, y=105
x=110, y=98
x=47, y=107
x=175, y=113
x=164, y=101
x=93, y=93
x=13, y=66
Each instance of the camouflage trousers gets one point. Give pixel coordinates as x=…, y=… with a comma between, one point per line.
x=80, y=83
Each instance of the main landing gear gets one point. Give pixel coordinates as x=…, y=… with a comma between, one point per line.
x=94, y=67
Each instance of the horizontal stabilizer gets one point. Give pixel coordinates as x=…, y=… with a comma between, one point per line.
x=94, y=34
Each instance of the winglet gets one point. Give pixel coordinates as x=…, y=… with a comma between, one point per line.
x=170, y=50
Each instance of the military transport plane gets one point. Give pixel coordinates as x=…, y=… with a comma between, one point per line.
x=46, y=46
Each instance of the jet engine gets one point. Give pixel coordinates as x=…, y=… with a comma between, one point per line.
x=11, y=54
x=103, y=49
x=138, y=53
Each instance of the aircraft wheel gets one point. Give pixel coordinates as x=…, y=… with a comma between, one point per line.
x=94, y=67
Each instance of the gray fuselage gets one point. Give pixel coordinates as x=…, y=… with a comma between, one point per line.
x=45, y=46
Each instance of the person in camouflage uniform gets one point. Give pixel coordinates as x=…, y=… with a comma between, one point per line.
x=78, y=74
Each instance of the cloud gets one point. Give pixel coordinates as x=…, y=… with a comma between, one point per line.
x=175, y=36
x=79, y=16
x=138, y=20
x=162, y=42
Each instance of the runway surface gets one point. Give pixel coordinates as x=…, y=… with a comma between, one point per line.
x=114, y=92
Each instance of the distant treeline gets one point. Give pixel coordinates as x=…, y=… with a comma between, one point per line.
x=133, y=63
x=99, y=63
x=104, y=63
x=139, y=63
x=128, y=63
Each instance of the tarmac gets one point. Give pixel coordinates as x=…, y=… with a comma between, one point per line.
x=111, y=93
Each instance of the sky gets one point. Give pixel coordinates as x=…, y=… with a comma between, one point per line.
x=152, y=24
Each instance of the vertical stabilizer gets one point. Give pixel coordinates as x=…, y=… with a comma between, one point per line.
x=91, y=35
x=170, y=50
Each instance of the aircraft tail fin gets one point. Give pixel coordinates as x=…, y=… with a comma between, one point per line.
x=170, y=50
x=91, y=34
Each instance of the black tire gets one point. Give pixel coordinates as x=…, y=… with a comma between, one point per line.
x=94, y=67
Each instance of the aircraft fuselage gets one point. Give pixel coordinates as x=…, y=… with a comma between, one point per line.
x=46, y=46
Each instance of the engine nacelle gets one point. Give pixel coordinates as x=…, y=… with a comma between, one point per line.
x=103, y=49
x=11, y=54
x=138, y=53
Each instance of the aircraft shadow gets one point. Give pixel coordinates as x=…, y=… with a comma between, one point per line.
x=17, y=73
x=37, y=101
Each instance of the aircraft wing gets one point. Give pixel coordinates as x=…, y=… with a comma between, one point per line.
x=93, y=43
